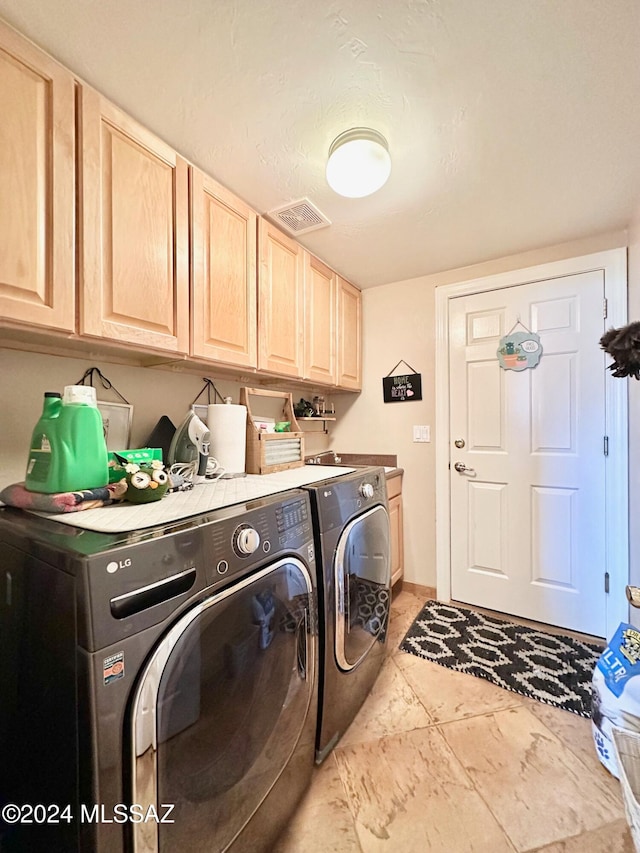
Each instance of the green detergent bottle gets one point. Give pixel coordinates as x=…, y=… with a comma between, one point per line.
x=68, y=451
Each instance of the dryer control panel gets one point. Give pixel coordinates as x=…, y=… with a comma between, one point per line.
x=339, y=500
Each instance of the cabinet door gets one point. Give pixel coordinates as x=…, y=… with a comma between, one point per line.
x=280, y=302
x=36, y=186
x=349, y=336
x=223, y=285
x=397, y=538
x=320, y=322
x=134, y=284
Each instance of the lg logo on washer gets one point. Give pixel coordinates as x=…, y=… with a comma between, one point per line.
x=114, y=565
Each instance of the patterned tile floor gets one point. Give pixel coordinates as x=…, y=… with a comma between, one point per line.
x=441, y=761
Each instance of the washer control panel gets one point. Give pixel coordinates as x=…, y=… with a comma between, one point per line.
x=246, y=540
x=293, y=523
x=242, y=538
x=366, y=490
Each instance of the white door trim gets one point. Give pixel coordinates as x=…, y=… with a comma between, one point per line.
x=614, y=265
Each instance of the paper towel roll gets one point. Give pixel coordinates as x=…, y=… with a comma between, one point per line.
x=227, y=425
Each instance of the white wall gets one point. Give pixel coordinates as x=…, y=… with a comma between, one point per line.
x=399, y=321
x=24, y=377
x=634, y=414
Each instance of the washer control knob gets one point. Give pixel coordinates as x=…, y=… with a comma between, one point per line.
x=366, y=490
x=247, y=540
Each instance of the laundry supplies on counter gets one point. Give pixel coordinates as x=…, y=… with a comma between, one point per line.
x=227, y=425
x=269, y=452
x=68, y=452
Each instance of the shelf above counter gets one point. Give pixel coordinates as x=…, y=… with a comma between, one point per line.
x=319, y=419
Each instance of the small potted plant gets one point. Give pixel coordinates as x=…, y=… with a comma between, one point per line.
x=510, y=353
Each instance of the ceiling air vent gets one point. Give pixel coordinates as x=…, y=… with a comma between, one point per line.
x=298, y=217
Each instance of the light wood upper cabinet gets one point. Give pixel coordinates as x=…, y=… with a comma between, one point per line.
x=223, y=274
x=349, y=336
x=134, y=231
x=166, y=259
x=320, y=342
x=280, y=302
x=36, y=186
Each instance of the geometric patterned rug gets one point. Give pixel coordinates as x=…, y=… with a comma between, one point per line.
x=553, y=669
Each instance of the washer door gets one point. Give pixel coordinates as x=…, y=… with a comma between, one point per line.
x=362, y=574
x=220, y=708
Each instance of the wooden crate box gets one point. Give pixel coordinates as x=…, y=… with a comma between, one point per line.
x=268, y=452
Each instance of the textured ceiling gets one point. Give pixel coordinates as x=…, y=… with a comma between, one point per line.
x=512, y=124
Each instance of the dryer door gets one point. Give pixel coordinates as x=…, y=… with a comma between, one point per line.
x=220, y=709
x=362, y=574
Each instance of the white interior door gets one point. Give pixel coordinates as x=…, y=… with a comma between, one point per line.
x=528, y=519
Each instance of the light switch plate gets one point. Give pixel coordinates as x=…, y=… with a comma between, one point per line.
x=421, y=433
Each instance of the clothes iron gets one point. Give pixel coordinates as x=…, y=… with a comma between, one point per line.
x=189, y=449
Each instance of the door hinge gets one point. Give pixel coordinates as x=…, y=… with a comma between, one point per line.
x=605, y=448
x=606, y=582
x=604, y=308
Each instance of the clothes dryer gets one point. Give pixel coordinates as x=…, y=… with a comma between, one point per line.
x=352, y=535
x=159, y=689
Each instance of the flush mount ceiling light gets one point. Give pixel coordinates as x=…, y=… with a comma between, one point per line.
x=359, y=162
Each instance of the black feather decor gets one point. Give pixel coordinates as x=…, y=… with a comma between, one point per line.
x=623, y=345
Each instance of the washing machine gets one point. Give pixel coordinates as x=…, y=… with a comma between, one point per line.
x=159, y=688
x=351, y=527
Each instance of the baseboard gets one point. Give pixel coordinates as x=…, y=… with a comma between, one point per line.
x=419, y=590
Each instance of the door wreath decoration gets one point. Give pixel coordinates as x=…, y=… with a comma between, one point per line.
x=519, y=350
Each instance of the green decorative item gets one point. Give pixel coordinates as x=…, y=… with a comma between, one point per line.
x=140, y=456
x=519, y=350
x=145, y=482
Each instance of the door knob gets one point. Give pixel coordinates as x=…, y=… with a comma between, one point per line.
x=461, y=468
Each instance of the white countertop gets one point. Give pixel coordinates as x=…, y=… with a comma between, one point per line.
x=123, y=517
